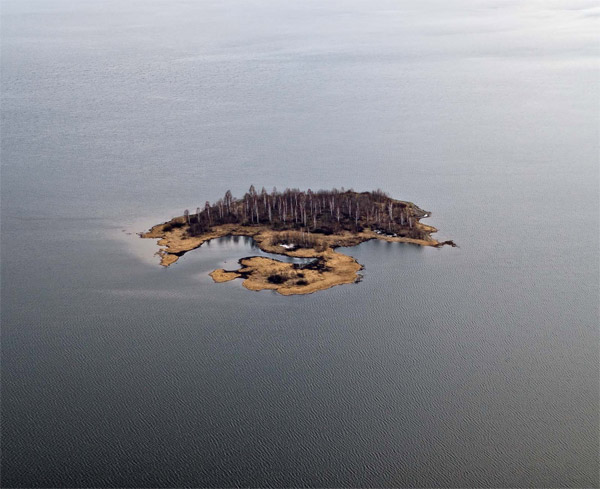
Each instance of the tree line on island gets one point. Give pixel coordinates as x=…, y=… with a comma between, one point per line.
x=322, y=211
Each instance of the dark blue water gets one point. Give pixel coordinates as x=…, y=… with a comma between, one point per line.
x=468, y=367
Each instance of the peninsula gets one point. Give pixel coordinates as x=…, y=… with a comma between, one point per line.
x=302, y=224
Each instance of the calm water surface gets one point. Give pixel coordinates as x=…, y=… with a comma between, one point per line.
x=467, y=367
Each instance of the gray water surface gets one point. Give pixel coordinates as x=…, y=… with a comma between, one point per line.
x=474, y=366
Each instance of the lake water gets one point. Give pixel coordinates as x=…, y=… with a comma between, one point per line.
x=469, y=367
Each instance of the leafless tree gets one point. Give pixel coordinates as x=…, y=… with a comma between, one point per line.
x=207, y=210
x=228, y=201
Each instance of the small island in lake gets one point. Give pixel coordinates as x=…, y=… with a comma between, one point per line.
x=297, y=224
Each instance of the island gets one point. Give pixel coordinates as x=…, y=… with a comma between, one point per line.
x=301, y=224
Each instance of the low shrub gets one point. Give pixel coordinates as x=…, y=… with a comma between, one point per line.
x=172, y=225
x=276, y=278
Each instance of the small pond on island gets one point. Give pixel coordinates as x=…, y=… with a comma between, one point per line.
x=225, y=253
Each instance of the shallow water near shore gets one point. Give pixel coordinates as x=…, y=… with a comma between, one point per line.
x=474, y=366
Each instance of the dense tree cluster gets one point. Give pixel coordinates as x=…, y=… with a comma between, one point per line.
x=323, y=211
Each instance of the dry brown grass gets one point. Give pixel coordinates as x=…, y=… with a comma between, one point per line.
x=336, y=268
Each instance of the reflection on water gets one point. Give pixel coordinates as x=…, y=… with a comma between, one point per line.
x=241, y=245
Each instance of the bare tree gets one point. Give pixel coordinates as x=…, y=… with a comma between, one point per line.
x=228, y=200
x=263, y=194
x=207, y=210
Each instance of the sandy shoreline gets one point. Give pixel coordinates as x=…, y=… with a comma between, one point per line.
x=261, y=273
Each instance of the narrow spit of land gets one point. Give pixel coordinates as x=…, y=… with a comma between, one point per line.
x=297, y=224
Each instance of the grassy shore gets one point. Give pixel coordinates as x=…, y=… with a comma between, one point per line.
x=329, y=267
